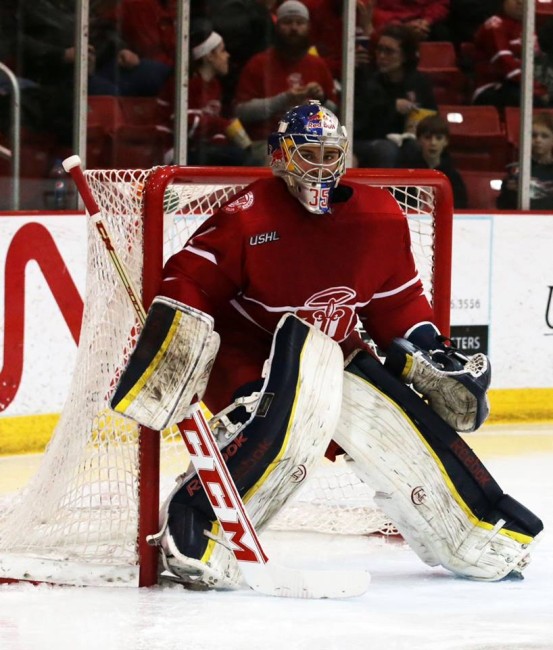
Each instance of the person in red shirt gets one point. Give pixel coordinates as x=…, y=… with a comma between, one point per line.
x=327, y=26
x=149, y=28
x=427, y=18
x=292, y=260
x=213, y=137
x=282, y=76
x=498, y=64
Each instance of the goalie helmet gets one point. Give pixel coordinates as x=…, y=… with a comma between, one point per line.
x=309, y=152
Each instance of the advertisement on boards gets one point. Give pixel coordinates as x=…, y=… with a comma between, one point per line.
x=501, y=302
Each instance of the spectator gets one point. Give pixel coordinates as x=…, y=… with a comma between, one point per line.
x=426, y=18
x=29, y=90
x=389, y=97
x=146, y=51
x=429, y=151
x=46, y=29
x=247, y=27
x=213, y=138
x=281, y=77
x=48, y=32
x=327, y=26
x=498, y=50
x=541, y=181
x=149, y=28
x=466, y=16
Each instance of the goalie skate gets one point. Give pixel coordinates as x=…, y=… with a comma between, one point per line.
x=221, y=571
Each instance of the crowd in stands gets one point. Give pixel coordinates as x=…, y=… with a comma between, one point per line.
x=423, y=71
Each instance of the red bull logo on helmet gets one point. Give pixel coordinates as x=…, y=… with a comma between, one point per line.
x=315, y=121
x=323, y=122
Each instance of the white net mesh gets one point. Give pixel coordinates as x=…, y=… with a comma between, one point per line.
x=77, y=520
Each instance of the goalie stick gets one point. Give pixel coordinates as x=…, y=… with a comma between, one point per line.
x=259, y=572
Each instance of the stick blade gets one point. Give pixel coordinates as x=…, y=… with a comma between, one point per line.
x=274, y=580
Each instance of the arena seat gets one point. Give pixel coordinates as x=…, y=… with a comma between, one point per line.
x=438, y=60
x=132, y=134
x=98, y=146
x=544, y=11
x=478, y=140
x=437, y=54
x=139, y=146
x=482, y=188
x=140, y=110
x=105, y=111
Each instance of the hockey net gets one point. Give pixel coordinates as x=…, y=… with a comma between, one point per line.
x=84, y=516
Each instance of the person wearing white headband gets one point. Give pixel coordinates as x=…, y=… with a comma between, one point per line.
x=207, y=46
x=214, y=138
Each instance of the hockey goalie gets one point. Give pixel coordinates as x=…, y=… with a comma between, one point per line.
x=256, y=316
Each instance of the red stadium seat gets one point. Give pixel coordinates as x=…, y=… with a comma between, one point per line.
x=438, y=60
x=140, y=110
x=482, y=189
x=544, y=11
x=139, y=146
x=105, y=110
x=467, y=54
x=98, y=147
x=125, y=132
x=477, y=140
x=512, y=127
x=437, y=54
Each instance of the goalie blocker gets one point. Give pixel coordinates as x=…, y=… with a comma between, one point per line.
x=169, y=367
x=429, y=482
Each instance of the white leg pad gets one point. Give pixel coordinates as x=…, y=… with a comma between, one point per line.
x=314, y=415
x=413, y=489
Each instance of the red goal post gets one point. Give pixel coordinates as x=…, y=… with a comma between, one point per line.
x=84, y=518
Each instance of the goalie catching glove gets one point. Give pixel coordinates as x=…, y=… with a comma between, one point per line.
x=454, y=385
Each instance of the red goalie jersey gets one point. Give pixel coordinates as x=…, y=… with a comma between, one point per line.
x=263, y=255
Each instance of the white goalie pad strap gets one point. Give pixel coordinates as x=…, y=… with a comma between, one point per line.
x=169, y=366
x=454, y=385
x=413, y=490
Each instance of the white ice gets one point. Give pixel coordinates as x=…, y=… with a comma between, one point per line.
x=408, y=605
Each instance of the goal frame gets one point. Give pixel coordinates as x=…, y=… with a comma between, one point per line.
x=154, y=192
x=134, y=206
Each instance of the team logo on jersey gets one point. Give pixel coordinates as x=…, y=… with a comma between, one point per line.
x=331, y=311
x=241, y=203
x=264, y=238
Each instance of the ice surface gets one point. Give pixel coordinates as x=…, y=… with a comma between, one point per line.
x=408, y=605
